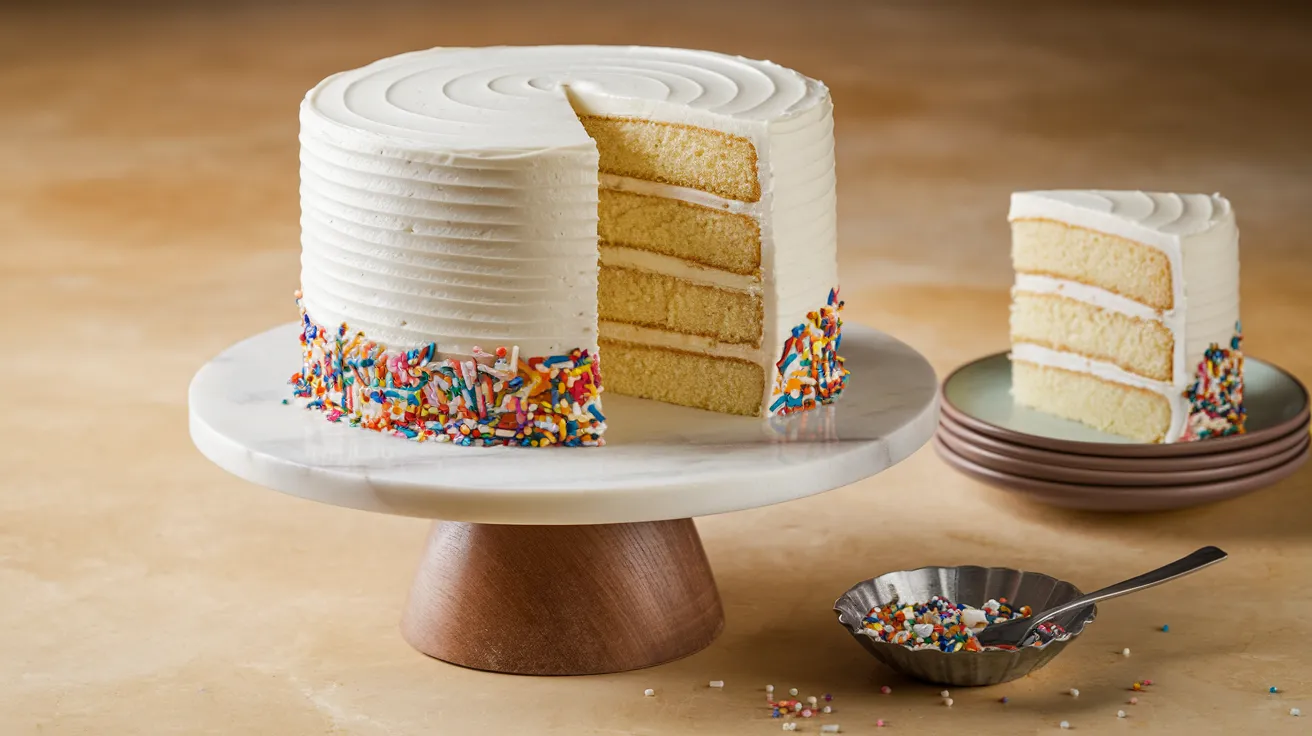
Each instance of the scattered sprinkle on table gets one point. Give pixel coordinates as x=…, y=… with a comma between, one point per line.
x=769, y=688
x=1147, y=682
x=792, y=691
x=944, y=694
x=649, y=692
x=1125, y=652
x=1075, y=693
x=1166, y=628
x=830, y=728
x=879, y=723
x=1004, y=700
x=1065, y=725
x=1295, y=712
x=1120, y=714
x=886, y=689
x=790, y=726
x=1273, y=689
x=717, y=683
x=948, y=702
x=827, y=709
x=1134, y=701
x=938, y=623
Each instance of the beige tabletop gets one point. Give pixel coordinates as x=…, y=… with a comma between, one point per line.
x=148, y=219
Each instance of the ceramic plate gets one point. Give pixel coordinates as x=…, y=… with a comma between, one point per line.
x=949, y=426
x=978, y=396
x=1127, y=475
x=1106, y=498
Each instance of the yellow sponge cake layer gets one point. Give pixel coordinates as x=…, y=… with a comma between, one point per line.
x=1139, y=346
x=1130, y=411
x=714, y=238
x=727, y=385
x=670, y=153
x=665, y=302
x=1110, y=262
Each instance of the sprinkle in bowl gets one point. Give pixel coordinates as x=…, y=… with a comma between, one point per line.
x=972, y=586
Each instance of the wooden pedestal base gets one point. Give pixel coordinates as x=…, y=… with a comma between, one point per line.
x=563, y=600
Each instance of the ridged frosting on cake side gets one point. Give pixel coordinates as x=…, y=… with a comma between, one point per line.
x=1198, y=237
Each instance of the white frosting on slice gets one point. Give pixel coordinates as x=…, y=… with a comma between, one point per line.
x=450, y=195
x=1201, y=241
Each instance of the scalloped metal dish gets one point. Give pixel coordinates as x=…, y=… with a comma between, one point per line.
x=971, y=585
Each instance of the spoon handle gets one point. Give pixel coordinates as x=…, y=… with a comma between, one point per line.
x=1170, y=571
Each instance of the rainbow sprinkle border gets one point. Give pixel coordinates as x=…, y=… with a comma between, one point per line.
x=494, y=398
x=810, y=372
x=1216, y=398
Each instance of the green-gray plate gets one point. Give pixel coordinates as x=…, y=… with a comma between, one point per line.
x=978, y=396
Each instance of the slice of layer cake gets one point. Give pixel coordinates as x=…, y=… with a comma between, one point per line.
x=490, y=235
x=1125, y=312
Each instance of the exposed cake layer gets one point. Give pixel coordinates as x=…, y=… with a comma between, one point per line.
x=1142, y=346
x=674, y=153
x=1110, y=262
x=667, y=302
x=1141, y=414
x=705, y=235
x=723, y=384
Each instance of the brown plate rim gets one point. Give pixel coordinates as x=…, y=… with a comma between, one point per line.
x=1145, y=464
x=1096, y=498
x=1111, y=449
x=1116, y=479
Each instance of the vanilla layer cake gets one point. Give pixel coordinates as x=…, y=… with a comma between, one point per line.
x=1125, y=312
x=491, y=235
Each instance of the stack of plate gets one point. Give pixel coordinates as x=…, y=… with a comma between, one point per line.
x=982, y=433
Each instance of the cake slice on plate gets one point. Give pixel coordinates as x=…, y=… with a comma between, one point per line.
x=1125, y=312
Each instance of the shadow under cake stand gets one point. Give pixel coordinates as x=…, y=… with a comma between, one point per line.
x=564, y=561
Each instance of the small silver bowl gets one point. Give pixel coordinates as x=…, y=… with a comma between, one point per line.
x=973, y=586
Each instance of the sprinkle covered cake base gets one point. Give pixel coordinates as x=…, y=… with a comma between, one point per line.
x=1216, y=397
x=497, y=398
x=810, y=371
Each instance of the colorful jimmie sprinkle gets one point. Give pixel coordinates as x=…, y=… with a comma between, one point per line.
x=494, y=398
x=937, y=624
x=810, y=371
x=1216, y=398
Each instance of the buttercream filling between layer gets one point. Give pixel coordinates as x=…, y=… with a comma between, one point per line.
x=624, y=332
x=619, y=256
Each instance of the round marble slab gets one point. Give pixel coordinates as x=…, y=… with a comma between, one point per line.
x=659, y=462
x=978, y=396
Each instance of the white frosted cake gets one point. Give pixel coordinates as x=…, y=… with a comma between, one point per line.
x=1125, y=312
x=491, y=235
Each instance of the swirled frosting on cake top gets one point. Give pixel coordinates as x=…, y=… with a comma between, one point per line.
x=491, y=102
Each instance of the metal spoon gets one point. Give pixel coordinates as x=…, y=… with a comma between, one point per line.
x=1022, y=631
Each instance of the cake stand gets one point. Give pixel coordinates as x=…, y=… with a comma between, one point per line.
x=564, y=561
